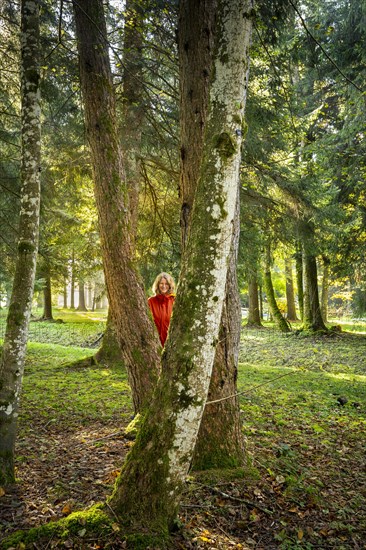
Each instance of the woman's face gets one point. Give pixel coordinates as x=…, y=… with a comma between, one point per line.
x=164, y=286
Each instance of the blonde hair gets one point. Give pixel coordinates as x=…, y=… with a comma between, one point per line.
x=169, y=280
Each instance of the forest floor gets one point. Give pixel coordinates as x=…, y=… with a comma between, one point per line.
x=304, y=420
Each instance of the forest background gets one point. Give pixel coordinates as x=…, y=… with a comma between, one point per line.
x=302, y=191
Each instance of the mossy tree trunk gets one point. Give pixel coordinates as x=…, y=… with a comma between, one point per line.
x=148, y=491
x=15, y=341
x=290, y=294
x=135, y=332
x=279, y=319
x=254, y=315
x=312, y=312
x=325, y=289
x=220, y=441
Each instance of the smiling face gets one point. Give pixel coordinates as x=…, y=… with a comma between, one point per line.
x=164, y=287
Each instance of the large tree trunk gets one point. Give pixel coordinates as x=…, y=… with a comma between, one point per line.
x=148, y=492
x=15, y=341
x=312, y=313
x=272, y=302
x=254, y=314
x=137, y=339
x=220, y=441
x=290, y=294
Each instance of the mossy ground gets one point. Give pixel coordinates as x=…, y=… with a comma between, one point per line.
x=304, y=420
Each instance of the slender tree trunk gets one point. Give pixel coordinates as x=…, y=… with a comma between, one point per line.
x=15, y=341
x=254, y=317
x=290, y=294
x=65, y=294
x=220, y=441
x=275, y=311
x=148, y=491
x=81, y=306
x=47, y=294
x=300, y=282
x=72, y=283
x=325, y=289
x=135, y=332
x=261, y=302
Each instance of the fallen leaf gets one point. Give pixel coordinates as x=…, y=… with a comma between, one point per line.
x=66, y=510
x=300, y=534
x=2, y=492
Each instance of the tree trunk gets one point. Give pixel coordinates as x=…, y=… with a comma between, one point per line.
x=254, y=317
x=220, y=441
x=65, y=294
x=135, y=332
x=47, y=294
x=15, y=341
x=300, y=282
x=81, y=305
x=325, y=289
x=109, y=352
x=148, y=491
x=312, y=313
x=290, y=294
x=73, y=279
x=275, y=311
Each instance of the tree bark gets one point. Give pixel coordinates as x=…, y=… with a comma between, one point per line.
x=300, y=282
x=135, y=332
x=148, y=491
x=15, y=341
x=73, y=278
x=81, y=305
x=220, y=441
x=312, y=312
x=254, y=316
x=325, y=289
x=65, y=294
x=275, y=311
x=47, y=294
x=290, y=294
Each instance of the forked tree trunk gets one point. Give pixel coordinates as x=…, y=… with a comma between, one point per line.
x=272, y=302
x=148, y=491
x=220, y=441
x=290, y=294
x=17, y=323
x=254, y=315
x=135, y=332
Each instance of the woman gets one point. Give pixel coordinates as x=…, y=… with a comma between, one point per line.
x=161, y=304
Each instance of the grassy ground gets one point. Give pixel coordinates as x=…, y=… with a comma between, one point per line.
x=304, y=419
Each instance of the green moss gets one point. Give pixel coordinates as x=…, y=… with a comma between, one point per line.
x=141, y=541
x=94, y=520
x=26, y=247
x=133, y=427
x=225, y=145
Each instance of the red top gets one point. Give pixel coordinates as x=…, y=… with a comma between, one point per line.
x=161, y=307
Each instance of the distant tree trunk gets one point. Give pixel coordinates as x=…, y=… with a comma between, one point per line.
x=73, y=278
x=197, y=22
x=81, y=306
x=275, y=311
x=65, y=294
x=312, y=312
x=135, y=332
x=300, y=282
x=47, y=295
x=17, y=323
x=290, y=294
x=148, y=492
x=261, y=302
x=325, y=289
x=254, y=317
